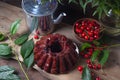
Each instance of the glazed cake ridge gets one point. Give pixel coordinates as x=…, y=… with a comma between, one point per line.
x=55, y=54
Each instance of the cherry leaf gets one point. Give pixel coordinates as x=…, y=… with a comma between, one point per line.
x=84, y=46
x=95, y=55
x=27, y=48
x=86, y=75
x=29, y=61
x=5, y=50
x=14, y=26
x=7, y=73
x=21, y=39
x=104, y=57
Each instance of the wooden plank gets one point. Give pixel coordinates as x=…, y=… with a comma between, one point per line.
x=8, y=14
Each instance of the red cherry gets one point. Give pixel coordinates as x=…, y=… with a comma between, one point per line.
x=88, y=29
x=77, y=30
x=90, y=66
x=88, y=61
x=80, y=31
x=96, y=32
x=90, y=53
x=95, y=67
x=80, y=68
x=99, y=66
x=90, y=25
x=77, y=24
x=86, y=37
x=86, y=56
x=36, y=37
x=96, y=36
x=82, y=27
x=97, y=78
x=83, y=34
x=90, y=34
x=96, y=27
x=91, y=31
x=84, y=22
x=90, y=49
x=91, y=38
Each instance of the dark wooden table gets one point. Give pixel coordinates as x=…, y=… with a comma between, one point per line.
x=9, y=13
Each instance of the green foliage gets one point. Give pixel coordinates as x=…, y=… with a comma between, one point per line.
x=27, y=53
x=104, y=57
x=14, y=26
x=86, y=75
x=4, y=50
x=29, y=60
x=95, y=55
x=7, y=73
x=102, y=6
x=2, y=37
x=21, y=39
x=84, y=46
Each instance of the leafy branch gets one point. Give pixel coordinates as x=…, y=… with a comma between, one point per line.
x=6, y=50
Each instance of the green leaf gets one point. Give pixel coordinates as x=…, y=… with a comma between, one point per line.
x=86, y=75
x=10, y=77
x=14, y=26
x=2, y=37
x=21, y=39
x=6, y=68
x=27, y=48
x=5, y=50
x=7, y=56
x=29, y=61
x=84, y=46
x=6, y=73
x=105, y=56
x=95, y=55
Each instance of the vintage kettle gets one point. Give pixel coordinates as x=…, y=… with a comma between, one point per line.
x=39, y=16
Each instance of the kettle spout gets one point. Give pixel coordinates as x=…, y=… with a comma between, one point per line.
x=59, y=18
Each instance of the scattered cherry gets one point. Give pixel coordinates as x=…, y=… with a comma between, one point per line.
x=88, y=61
x=90, y=66
x=36, y=37
x=99, y=66
x=80, y=68
x=86, y=56
x=94, y=67
x=97, y=78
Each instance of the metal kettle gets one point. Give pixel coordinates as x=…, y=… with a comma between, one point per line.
x=39, y=16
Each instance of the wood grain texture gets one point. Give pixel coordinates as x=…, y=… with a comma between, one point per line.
x=9, y=13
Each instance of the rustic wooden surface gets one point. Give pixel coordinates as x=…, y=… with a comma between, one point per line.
x=9, y=13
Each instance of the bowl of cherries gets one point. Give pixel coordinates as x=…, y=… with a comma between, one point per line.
x=87, y=29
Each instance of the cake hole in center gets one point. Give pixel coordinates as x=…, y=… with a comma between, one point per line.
x=56, y=47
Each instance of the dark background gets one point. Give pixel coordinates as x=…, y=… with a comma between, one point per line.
x=73, y=11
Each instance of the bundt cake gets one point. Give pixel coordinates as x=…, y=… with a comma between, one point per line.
x=55, y=54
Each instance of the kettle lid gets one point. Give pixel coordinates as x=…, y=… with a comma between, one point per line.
x=36, y=8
